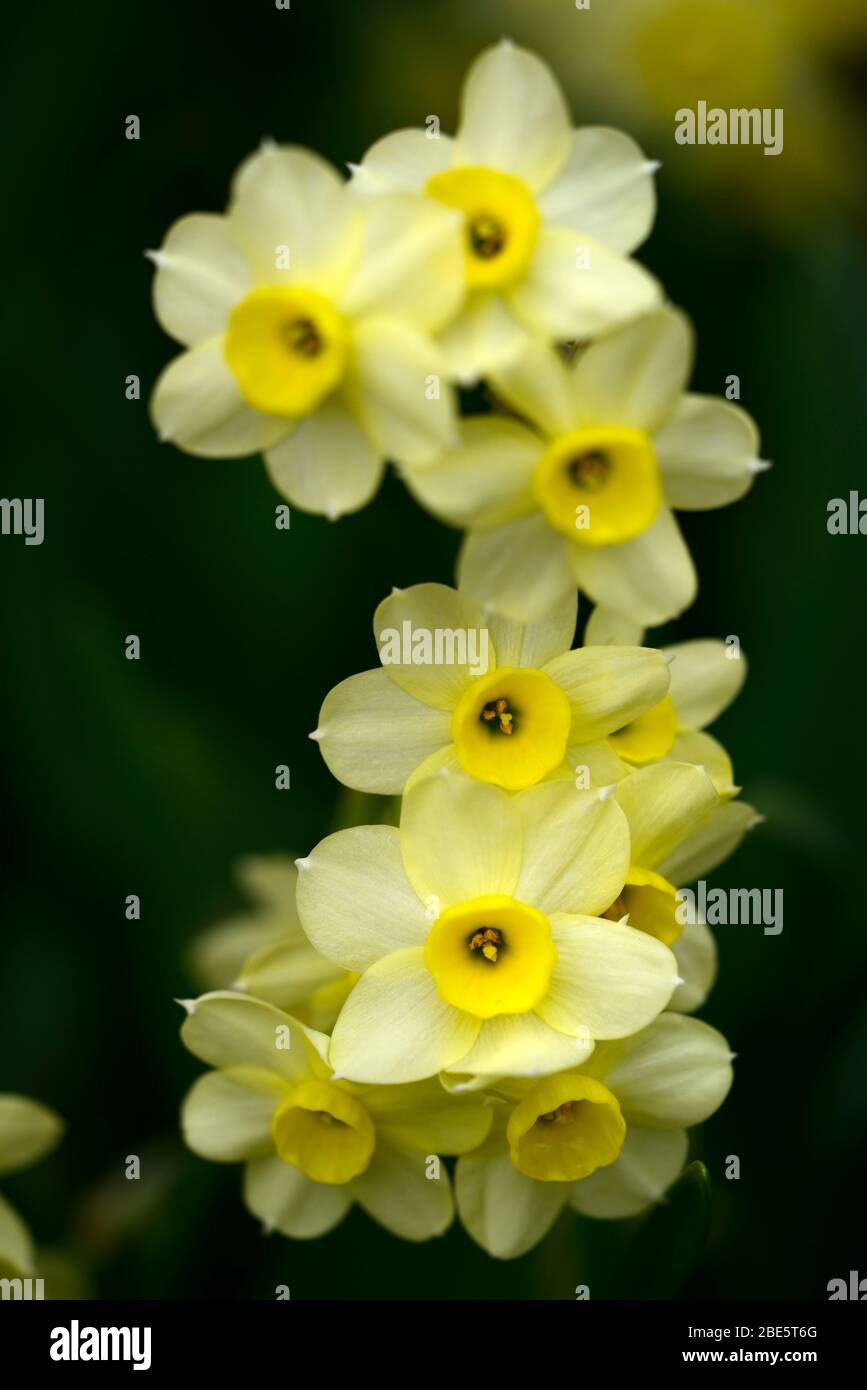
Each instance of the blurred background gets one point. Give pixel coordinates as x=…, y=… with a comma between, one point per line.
x=152, y=777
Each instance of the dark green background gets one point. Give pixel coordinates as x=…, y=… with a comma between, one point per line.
x=151, y=777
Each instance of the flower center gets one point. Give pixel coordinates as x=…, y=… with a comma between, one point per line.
x=324, y=1131
x=651, y=904
x=511, y=727
x=491, y=955
x=649, y=736
x=288, y=349
x=599, y=485
x=501, y=221
x=565, y=1128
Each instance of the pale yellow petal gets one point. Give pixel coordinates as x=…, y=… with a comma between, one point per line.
x=405, y=160
x=286, y=1200
x=17, y=1251
x=196, y=405
x=355, y=901
x=394, y=1027
x=424, y=1118
x=609, y=980
x=711, y=844
x=522, y=1045
x=672, y=1075
x=649, y=1162
x=576, y=848
x=538, y=385
x=663, y=804
x=605, y=190
x=233, y=1030
x=536, y=643
x=411, y=262
x=703, y=751
x=636, y=376
x=607, y=687
x=513, y=116
x=201, y=276
x=398, y=391
x=576, y=288
x=226, y=1115
x=705, y=678
x=504, y=1211
x=427, y=609
x=484, y=337
x=708, y=453
x=696, y=954
x=460, y=839
x=520, y=569
x=327, y=465
x=648, y=580
x=373, y=735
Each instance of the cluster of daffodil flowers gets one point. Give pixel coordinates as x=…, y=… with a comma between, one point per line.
x=504, y=974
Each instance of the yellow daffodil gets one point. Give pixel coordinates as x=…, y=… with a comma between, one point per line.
x=550, y=214
x=606, y=1139
x=313, y=1143
x=265, y=952
x=307, y=319
x=706, y=675
x=28, y=1131
x=506, y=702
x=476, y=929
x=583, y=494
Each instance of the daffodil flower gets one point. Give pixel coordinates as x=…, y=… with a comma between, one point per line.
x=307, y=320
x=583, y=493
x=313, y=1143
x=550, y=214
x=706, y=676
x=265, y=952
x=536, y=707
x=28, y=1131
x=606, y=1139
x=476, y=929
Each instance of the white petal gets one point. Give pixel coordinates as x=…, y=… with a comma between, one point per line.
x=484, y=337
x=373, y=735
x=663, y=804
x=396, y=1191
x=355, y=900
x=394, y=1027
x=432, y=608
x=286, y=1200
x=503, y=1210
x=705, y=679
x=28, y=1131
x=605, y=190
x=537, y=643
x=696, y=954
x=226, y=1115
x=578, y=288
x=486, y=480
x=673, y=1074
x=522, y=1045
x=289, y=197
x=197, y=405
x=460, y=839
x=398, y=392
x=607, y=628
x=403, y=160
x=538, y=384
x=576, y=849
x=411, y=262
x=710, y=844
x=648, y=580
x=327, y=465
x=607, y=687
x=520, y=569
x=201, y=275
x=637, y=375
x=513, y=116
x=708, y=453
x=648, y=1163
x=234, y=1030
x=609, y=980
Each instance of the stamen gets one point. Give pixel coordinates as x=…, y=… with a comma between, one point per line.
x=499, y=709
x=303, y=337
x=561, y=1116
x=589, y=471
x=489, y=941
x=487, y=237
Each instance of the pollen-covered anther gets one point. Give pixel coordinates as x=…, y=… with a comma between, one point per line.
x=499, y=709
x=487, y=236
x=589, y=471
x=489, y=941
x=561, y=1116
